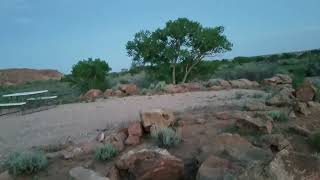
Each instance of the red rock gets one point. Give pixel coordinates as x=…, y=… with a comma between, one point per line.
x=278, y=79
x=189, y=87
x=213, y=168
x=129, y=88
x=132, y=140
x=147, y=164
x=175, y=88
x=117, y=140
x=93, y=93
x=135, y=129
x=159, y=118
x=306, y=92
x=108, y=93
x=256, y=124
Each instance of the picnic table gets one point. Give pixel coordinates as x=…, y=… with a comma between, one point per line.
x=20, y=100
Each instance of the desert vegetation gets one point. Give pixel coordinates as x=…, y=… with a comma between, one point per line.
x=254, y=117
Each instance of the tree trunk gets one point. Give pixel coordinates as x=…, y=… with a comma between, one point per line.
x=185, y=76
x=188, y=70
x=173, y=74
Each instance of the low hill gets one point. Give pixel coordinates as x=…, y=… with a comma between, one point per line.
x=19, y=76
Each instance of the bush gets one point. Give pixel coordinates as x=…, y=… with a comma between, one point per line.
x=314, y=141
x=255, y=71
x=279, y=116
x=166, y=137
x=20, y=163
x=105, y=152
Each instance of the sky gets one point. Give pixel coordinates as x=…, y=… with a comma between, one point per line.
x=47, y=34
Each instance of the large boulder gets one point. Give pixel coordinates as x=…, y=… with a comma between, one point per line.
x=214, y=168
x=235, y=147
x=243, y=83
x=80, y=173
x=129, y=88
x=302, y=108
x=248, y=123
x=306, y=92
x=158, y=118
x=108, y=93
x=276, y=142
x=93, y=94
x=283, y=97
x=289, y=165
x=135, y=132
x=147, y=164
x=278, y=79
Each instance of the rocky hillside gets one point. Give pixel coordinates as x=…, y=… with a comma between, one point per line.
x=19, y=76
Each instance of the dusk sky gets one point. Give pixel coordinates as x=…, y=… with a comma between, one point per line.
x=56, y=34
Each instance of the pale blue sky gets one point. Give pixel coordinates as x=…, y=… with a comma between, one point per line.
x=57, y=33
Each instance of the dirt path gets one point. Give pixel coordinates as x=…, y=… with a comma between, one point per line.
x=82, y=119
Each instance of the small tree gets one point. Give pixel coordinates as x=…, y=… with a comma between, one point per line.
x=89, y=74
x=181, y=43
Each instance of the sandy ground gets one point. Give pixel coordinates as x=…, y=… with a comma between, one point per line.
x=81, y=120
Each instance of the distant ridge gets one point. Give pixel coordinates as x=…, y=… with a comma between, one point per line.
x=23, y=75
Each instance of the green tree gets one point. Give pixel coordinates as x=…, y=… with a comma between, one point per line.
x=182, y=43
x=90, y=74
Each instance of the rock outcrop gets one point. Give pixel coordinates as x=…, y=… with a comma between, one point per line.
x=159, y=118
x=155, y=164
x=306, y=92
x=129, y=89
x=80, y=173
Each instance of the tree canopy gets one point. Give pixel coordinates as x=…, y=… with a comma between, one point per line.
x=90, y=74
x=181, y=45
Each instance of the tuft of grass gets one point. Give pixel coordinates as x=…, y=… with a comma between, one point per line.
x=20, y=163
x=105, y=152
x=166, y=137
x=279, y=116
x=314, y=141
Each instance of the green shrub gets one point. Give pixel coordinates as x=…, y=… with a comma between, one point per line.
x=105, y=152
x=166, y=137
x=314, y=141
x=280, y=116
x=255, y=71
x=20, y=163
x=298, y=78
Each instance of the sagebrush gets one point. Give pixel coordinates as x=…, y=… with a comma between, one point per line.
x=166, y=137
x=20, y=163
x=279, y=116
x=105, y=152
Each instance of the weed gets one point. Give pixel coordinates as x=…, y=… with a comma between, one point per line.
x=166, y=137
x=20, y=163
x=105, y=152
x=280, y=116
